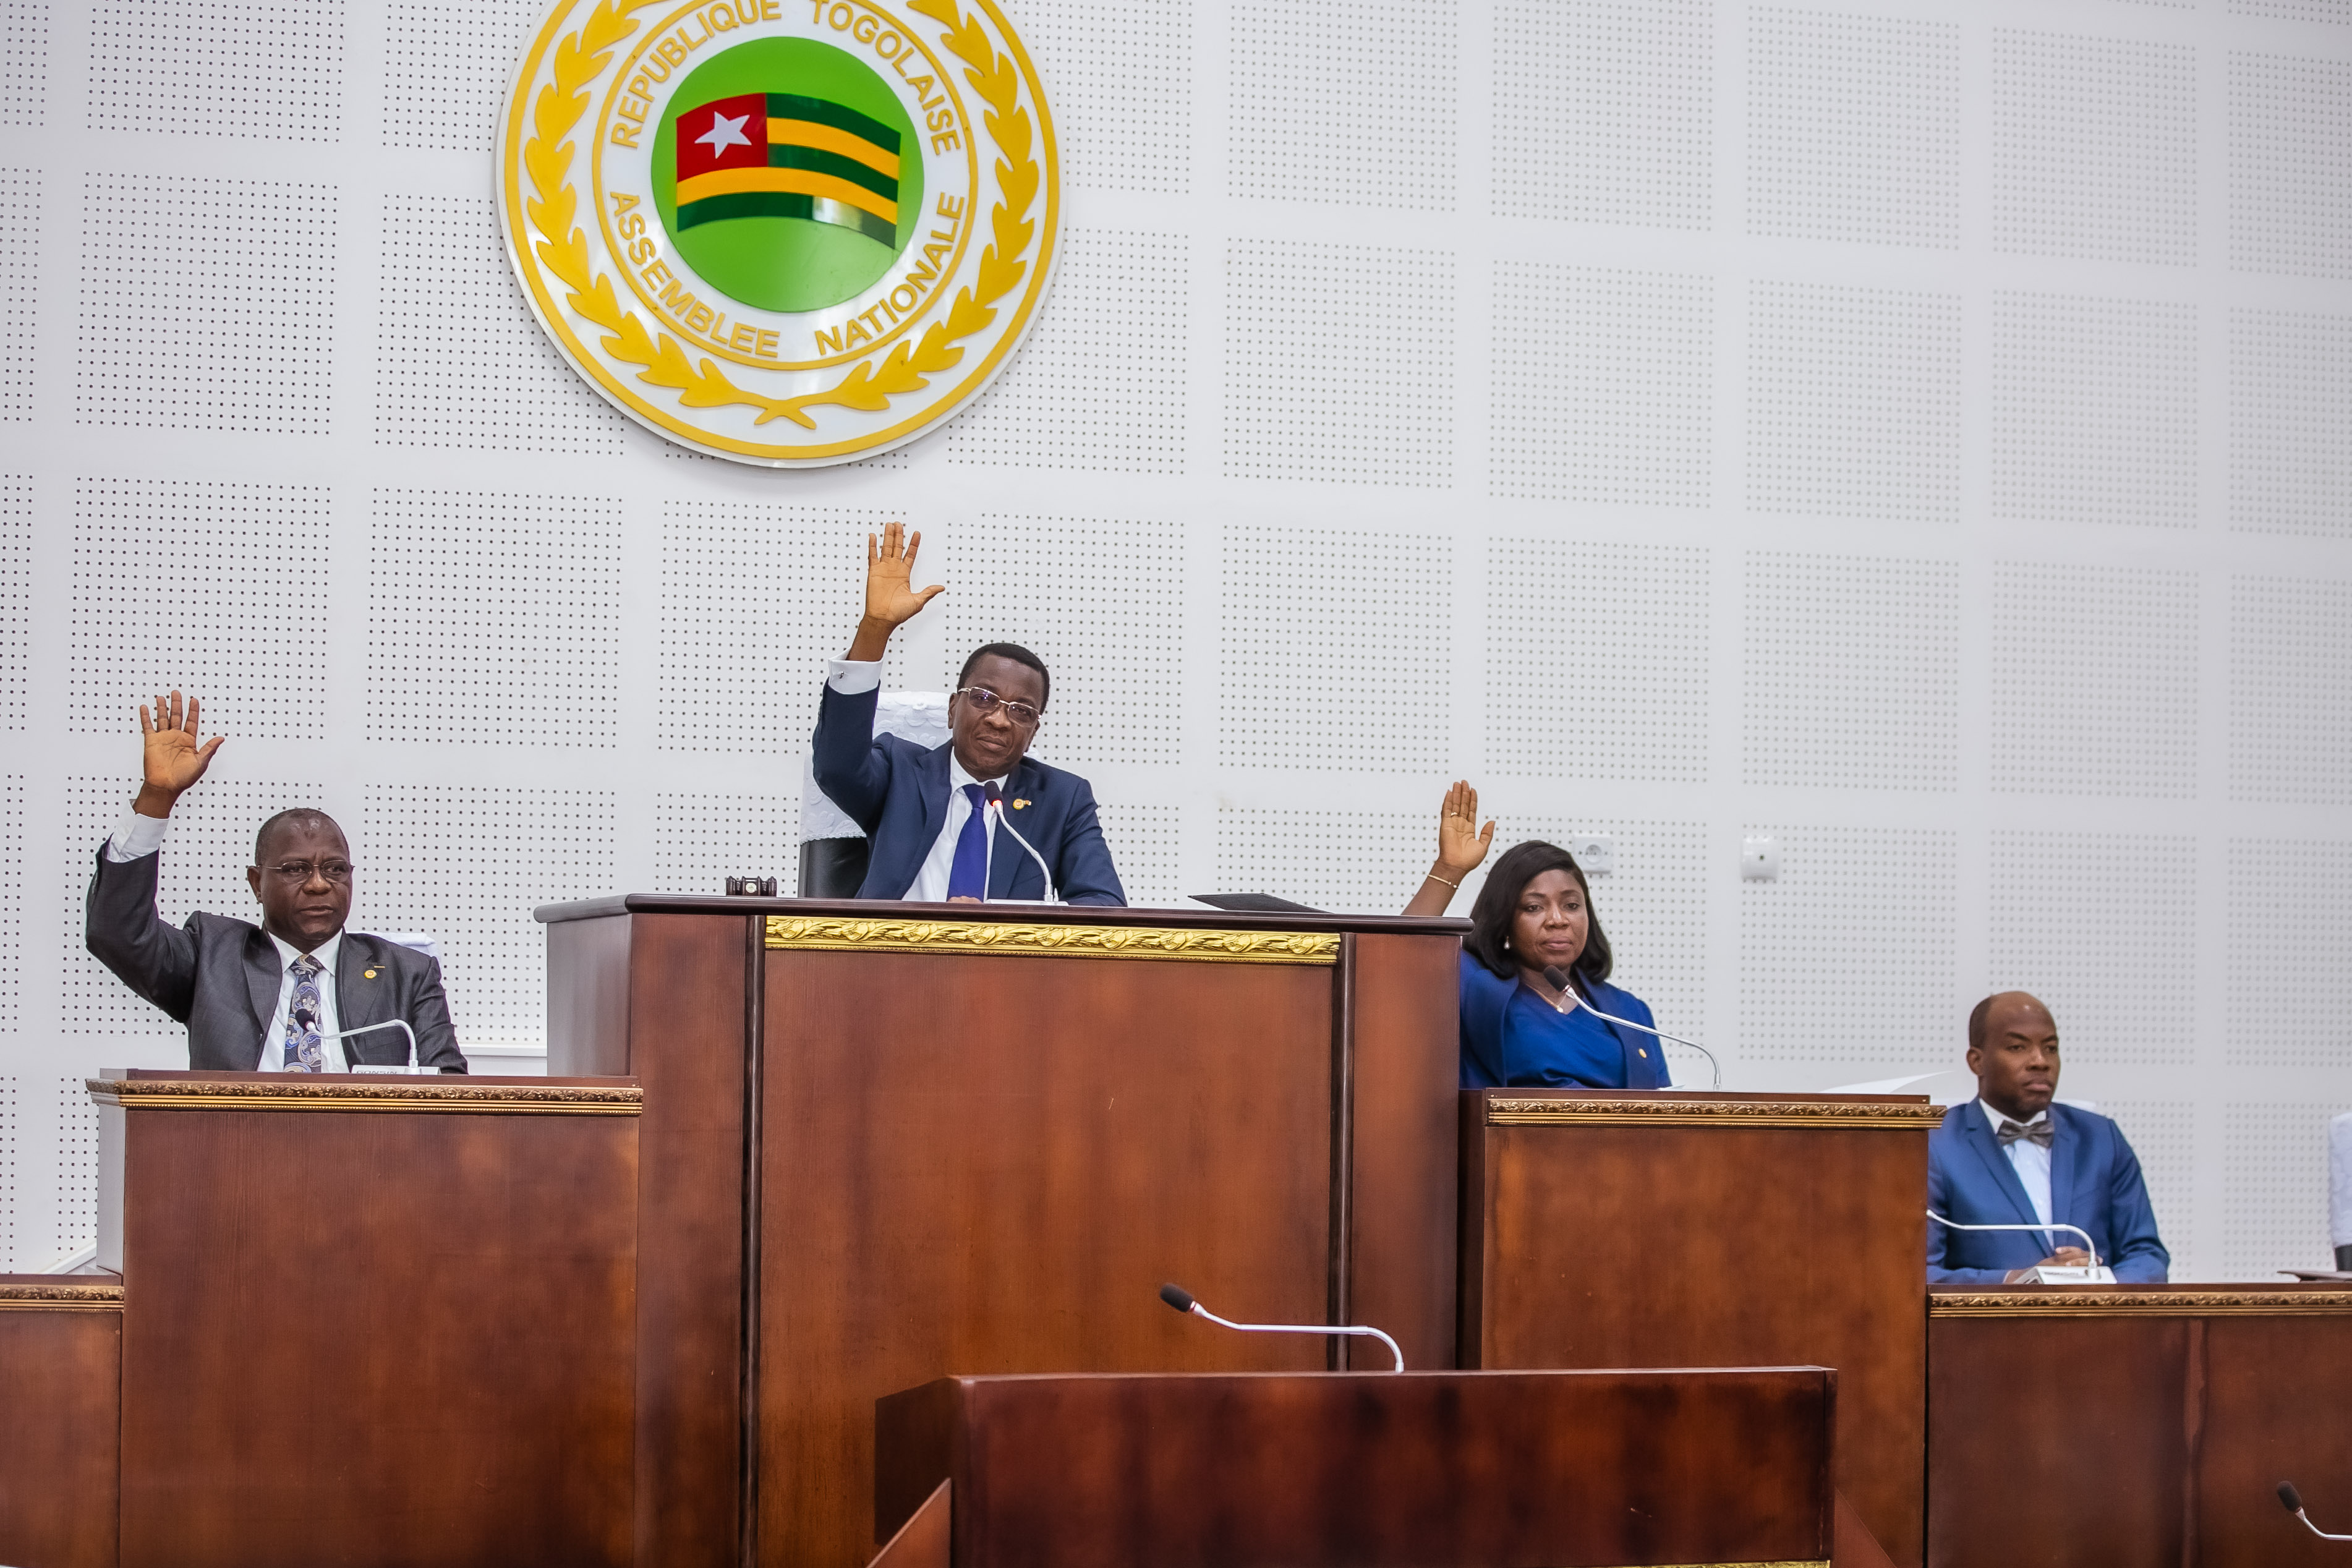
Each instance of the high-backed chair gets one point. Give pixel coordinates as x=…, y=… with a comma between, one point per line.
x=832, y=848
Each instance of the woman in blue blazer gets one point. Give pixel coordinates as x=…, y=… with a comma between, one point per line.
x=1534, y=914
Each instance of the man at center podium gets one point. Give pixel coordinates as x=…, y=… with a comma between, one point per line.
x=977, y=818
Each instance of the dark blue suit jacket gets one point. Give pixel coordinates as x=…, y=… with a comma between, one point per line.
x=1486, y=1056
x=898, y=792
x=2094, y=1183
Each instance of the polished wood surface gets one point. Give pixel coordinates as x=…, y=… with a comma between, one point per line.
x=1607, y=1229
x=1368, y=1470
x=60, y=1363
x=2137, y=1425
x=377, y=1336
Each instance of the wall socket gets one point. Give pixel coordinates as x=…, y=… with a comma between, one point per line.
x=1595, y=852
x=1759, y=859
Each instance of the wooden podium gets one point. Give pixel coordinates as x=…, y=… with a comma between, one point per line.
x=888, y=1143
x=2138, y=1424
x=1368, y=1470
x=60, y=1362
x=1604, y=1229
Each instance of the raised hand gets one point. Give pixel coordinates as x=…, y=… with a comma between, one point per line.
x=891, y=597
x=172, y=759
x=1461, y=846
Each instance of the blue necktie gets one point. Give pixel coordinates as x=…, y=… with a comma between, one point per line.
x=305, y=1051
x=968, y=877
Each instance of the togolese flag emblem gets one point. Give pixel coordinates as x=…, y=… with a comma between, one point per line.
x=781, y=154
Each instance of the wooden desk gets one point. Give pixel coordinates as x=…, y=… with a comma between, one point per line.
x=2138, y=1424
x=886, y=1143
x=1469, y=1469
x=60, y=1367
x=1612, y=1230
x=373, y=1321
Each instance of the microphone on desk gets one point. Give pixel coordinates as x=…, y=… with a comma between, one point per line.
x=1560, y=980
x=996, y=806
x=310, y=1020
x=1182, y=1299
x=2293, y=1502
x=2095, y=1274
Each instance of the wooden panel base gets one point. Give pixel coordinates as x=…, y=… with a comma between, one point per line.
x=60, y=1363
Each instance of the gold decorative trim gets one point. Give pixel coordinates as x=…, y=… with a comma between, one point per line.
x=834, y=934
x=2097, y=1301
x=59, y=1295
x=1660, y=1111
x=291, y=1091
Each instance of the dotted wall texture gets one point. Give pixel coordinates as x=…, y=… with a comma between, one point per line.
x=1850, y=672
x=1101, y=381
x=202, y=867
x=2094, y=672
x=1146, y=846
x=2287, y=910
x=2093, y=148
x=468, y=865
x=24, y=61
x=1338, y=363
x=1604, y=111
x=1121, y=80
x=11, y=902
x=178, y=330
x=444, y=299
x=1356, y=673
x=267, y=69
x=2091, y=923
x=2274, y=1188
x=2163, y=1133
x=16, y=597
x=2289, y=665
x=20, y=232
x=1853, y=402
x=1862, y=915
x=217, y=590
x=1853, y=127
x=2291, y=165
x=493, y=617
x=2337, y=11
x=448, y=66
x=77, y=1171
x=1370, y=122
x=10, y=1145
x=754, y=601
x=2095, y=410
x=1353, y=862
x=1598, y=660
x=1101, y=600
x=701, y=839
x=2290, y=406
x=1604, y=385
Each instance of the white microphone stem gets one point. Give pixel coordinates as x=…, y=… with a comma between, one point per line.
x=1573, y=1001
x=400, y=1024
x=1395, y=1354
x=2316, y=1530
x=2088, y=1245
x=998, y=808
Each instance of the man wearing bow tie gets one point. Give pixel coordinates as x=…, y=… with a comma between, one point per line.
x=2013, y=1155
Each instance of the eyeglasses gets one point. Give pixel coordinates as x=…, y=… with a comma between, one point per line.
x=300, y=871
x=988, y=701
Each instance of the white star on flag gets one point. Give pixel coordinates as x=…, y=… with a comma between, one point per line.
x=725, y=133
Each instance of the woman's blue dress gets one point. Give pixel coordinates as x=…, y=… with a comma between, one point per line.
x=1513, y=1038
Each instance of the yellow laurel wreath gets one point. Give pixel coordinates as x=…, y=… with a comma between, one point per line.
x=553, y=207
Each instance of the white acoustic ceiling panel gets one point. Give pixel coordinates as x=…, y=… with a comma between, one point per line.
x=2090, y=923
x=2290, y=667
x=1853, y=127
x=20, y=231
x=448, y=67
x=701, y=839
x=2291, y=164
x=1146, y=846
x=1372, y=123
x=2285, y=911
x=2095, y=414
x=2163, y=1135
x=16, y=597
x=1122, y=85
x=1355, y=862
x=75, y=1150
x=12, y=1259
x=272, y=70
x=2093, y=148
x=13, y=880
x=2275, y=1187
x=2094, y=677
x=1604, y=111
x=2290, y=403
x=24, y=61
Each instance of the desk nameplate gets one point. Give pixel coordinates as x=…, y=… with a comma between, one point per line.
x=1663, y=1110
x=2108, y=1303
x=830, y=933
x=293, y=1092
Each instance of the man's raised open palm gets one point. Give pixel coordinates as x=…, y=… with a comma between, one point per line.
x=172, y=759
x=891, y=597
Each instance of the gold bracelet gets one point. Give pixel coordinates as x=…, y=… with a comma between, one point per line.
x=1435, y=878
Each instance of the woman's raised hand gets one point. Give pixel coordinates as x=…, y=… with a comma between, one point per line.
x=1462, y=847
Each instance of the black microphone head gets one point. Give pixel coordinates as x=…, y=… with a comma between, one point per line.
x=307, y=1018
x=992, y=792
x=1556, y=978
x=1177, y=1297
x=2292, y=1498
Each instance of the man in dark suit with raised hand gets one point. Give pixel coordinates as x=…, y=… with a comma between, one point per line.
x=2015, y=1156
x=271, y=997
x=937, y=834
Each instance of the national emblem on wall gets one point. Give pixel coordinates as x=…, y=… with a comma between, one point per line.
x=790, y=232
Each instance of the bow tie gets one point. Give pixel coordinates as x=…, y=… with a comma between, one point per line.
x=2010, y=1132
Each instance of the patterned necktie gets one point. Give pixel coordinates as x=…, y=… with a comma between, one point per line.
x=305, y=1051
x=968, y=877
x=2039, y=1133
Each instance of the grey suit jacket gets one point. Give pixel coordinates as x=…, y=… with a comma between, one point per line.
x=221, y=978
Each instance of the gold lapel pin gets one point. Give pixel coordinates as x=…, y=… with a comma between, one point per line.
x=369, y=974
x=1020, y=805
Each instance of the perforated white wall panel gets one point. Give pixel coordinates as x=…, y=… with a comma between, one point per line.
x=2163, y=1134
x=1920, y=426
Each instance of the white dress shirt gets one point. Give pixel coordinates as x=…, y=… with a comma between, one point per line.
x=2030, y=1160
x=136, y=837
x=852, y=676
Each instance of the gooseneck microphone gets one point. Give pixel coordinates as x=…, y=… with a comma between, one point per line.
x=310, y=1020
x=2293, y=1502
x=1560, y=980
x=996, y=809
x=1182, y=1299
x=2088, y=1245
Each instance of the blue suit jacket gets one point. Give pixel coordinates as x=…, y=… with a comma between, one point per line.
x=1485, y=1034
x=2094, y=1183
x=898, y=792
